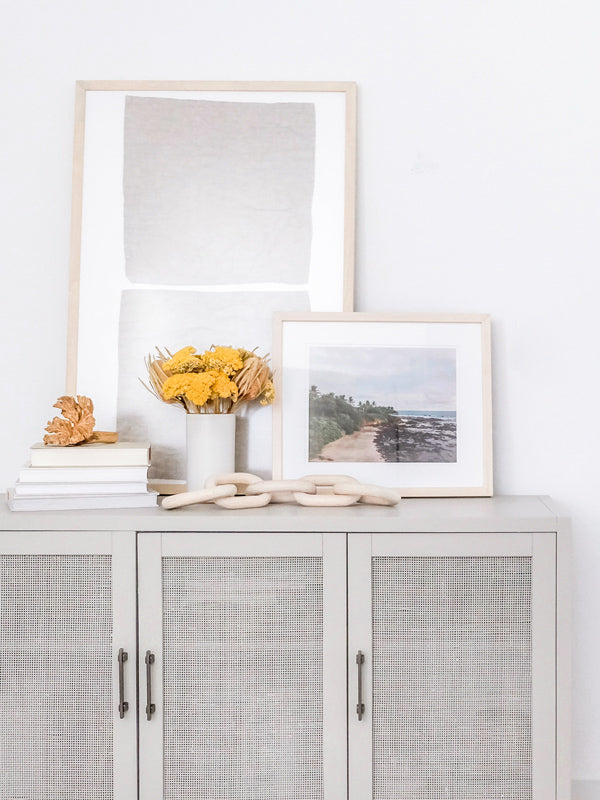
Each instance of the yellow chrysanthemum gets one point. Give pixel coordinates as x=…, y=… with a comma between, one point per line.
x=223, y=387
x=268, y=394
x=176, y=386
x=227, y=359
x=184, y=360
x=200, y=387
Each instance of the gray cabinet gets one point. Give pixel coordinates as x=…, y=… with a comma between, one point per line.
x=248, y=636
x=415, y=653
x=67, y=607
x=456, y=635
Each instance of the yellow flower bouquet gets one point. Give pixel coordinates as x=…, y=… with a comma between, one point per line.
x=218, y=381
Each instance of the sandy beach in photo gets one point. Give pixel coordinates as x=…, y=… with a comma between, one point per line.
x=406, y=439
x=358, y=446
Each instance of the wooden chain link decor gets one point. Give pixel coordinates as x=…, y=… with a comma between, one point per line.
x=244, y=490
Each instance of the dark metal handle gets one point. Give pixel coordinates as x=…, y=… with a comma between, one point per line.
x=123, y=704
x=360, y=706
x=150, y=706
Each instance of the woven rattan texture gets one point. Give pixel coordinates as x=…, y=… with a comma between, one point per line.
x=452, y=678
x=243, y=687
x=56, y=712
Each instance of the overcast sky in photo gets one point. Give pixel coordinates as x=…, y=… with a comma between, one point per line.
x=406, y=378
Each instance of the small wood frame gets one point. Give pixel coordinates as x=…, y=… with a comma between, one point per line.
x=398, y=400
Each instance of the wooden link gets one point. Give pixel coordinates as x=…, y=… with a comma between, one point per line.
x=338, y=490
x=199, y=496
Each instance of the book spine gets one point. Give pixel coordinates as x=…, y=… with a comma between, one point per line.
x=83, y=474
x=47, y=458
x=62, y=489
x=85, y=502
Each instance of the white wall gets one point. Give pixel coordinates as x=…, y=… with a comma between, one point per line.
x=479, y=190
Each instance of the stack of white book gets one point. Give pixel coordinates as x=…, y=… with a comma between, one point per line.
x=84, y=476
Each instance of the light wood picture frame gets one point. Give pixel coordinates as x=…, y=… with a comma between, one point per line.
x=200, y=208
x=399, y=400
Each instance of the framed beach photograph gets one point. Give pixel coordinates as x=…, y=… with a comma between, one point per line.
x=200, y=209
x=398, y=400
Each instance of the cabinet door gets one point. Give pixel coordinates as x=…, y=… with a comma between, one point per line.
x=244, y=692
x=67, y=606
x=458, y=679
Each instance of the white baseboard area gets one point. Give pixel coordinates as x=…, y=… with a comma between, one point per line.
x=586, y=790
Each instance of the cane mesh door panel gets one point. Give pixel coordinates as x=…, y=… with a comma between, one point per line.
x=452, y=678
x=56, y=704
x=242, y=678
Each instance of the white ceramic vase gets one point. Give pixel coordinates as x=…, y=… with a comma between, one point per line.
x=210, y=447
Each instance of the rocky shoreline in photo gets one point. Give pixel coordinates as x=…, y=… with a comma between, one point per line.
x=417, y=439
x=403, y=439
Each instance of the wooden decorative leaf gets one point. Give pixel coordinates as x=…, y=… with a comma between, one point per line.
x=69, y=408
x=84, y=427
x=59, y=432
x=75, y=426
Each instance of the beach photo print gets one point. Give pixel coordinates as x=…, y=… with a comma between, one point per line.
x=394, y=400
x=382, y=404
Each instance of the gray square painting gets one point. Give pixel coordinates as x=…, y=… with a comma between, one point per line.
x=217, y=192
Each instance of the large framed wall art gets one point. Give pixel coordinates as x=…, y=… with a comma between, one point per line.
x=400, y=400
x=199, y=209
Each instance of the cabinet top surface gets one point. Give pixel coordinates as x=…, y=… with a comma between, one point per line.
x=500, y=513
